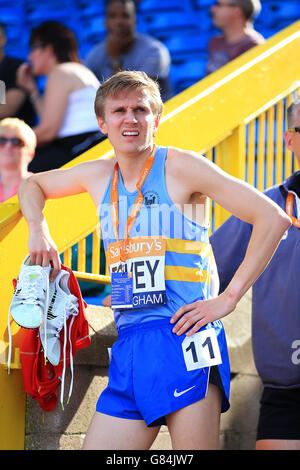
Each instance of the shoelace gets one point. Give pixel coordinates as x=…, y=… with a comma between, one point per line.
x=71, y=308
x=32, y=288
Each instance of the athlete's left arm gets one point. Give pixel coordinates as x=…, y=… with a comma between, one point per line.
x=269, y=223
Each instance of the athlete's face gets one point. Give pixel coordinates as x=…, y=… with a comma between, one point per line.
x=129, y=121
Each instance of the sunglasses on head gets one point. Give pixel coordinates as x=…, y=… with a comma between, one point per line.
x=15, y=141
x=295, y=129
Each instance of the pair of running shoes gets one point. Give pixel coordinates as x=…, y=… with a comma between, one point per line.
x=39, y=303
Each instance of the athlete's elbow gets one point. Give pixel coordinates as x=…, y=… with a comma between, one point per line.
x=28, y=185
x=272, y=219
x=23, y=185
x=280, y=220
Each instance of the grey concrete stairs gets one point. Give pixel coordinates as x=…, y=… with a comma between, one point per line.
x=66, y=429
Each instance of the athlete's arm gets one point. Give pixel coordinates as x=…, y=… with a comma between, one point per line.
x=33, y=193
x=269, y=223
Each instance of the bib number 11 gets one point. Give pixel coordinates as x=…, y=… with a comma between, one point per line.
x=201, y=350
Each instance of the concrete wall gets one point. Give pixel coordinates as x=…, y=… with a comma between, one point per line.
x=66, y=429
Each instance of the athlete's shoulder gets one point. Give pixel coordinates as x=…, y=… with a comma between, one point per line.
x=94, y=176
x=97, y=167
x=179, y=158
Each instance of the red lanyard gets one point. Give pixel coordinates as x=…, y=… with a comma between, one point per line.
x=289, y=209
x=137, y=205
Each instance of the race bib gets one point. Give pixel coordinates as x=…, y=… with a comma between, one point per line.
x=145, y=261
x=201, y=350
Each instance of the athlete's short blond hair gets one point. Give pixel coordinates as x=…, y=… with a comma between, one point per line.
x=25, y=131
x=126, y=81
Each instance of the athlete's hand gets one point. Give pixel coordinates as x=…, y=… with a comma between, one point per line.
x=194, y=316
x=43, y=251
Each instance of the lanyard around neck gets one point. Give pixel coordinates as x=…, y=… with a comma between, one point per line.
x=289, y=209
x=138, y=202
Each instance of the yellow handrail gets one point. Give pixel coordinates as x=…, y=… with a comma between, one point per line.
x=236, y=117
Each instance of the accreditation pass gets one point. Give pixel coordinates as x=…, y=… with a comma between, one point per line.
x=142, y=274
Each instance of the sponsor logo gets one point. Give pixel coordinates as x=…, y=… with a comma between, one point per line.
x=50, y=314
x=151, y=198
x=178, y=394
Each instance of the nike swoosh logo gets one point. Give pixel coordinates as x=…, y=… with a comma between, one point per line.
x=178, y=394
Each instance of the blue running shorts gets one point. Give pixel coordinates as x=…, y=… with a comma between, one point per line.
x=148, y=377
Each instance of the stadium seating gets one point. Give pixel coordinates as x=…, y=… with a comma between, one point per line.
x=185, y=26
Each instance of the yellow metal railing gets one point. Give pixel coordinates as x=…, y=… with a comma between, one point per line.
x=79, y=265
x=257, y=144
x=236, y=117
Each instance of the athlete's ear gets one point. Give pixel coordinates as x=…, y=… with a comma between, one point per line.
x=102, y=125
x=156, y=124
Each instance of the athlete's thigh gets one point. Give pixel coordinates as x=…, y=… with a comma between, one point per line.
x=109, y=432
x=277, y=444
x=197, y=426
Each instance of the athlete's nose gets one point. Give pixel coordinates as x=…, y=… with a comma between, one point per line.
x=130, y=116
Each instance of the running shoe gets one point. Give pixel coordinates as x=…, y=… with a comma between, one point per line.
x=62, y=304
x=30, y=298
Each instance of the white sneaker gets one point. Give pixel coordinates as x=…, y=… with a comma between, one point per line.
x=30, y=298
x=62, y=304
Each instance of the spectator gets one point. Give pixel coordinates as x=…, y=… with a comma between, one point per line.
x=17, y=103
x=126, y=49
x=235, y=18
x=275, y=307
x=17, y=147
x=67, y=124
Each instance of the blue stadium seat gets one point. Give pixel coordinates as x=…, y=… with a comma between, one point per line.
x=62, y=15
x=93, y=29
x=265, y=31
x=161, y=25
x=34, y=5
x=275, y=12
x=14, y=16
x=202, y=4
x=156, y=6
x=7, y=4
x=185, y=26
x=187, y=46
x=186, y=74
x=16, y=31
x=88, y=8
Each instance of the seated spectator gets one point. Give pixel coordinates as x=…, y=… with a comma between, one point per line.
x=17, y=147
x=126, y=49
x=67, y=125
x=235, y=18
x=17, y=102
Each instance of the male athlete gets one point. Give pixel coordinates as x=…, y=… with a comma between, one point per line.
x=170, y=363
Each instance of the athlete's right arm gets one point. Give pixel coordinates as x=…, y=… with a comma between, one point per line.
x=33, y=193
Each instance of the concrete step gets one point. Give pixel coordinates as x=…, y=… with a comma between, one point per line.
x=66, y=429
